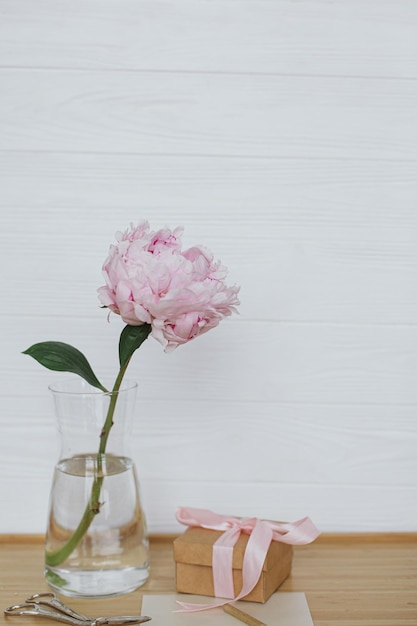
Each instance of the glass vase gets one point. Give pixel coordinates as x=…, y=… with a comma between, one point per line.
x=96, y=539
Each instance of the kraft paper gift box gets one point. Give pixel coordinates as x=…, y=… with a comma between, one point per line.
x=193, y=553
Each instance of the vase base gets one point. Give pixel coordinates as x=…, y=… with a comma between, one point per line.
x=103, y=583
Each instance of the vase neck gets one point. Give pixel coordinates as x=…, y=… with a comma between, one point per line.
x=83, y=413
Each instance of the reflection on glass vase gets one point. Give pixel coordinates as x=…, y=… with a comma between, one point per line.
x=96, y=539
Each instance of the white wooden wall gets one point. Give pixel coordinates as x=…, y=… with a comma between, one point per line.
x=283, y=135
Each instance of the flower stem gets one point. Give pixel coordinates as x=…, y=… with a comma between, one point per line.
x=56, y=557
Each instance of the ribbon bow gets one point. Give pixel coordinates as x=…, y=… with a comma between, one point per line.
x=261, y=532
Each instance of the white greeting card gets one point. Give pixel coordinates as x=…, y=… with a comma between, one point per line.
x=282, y=609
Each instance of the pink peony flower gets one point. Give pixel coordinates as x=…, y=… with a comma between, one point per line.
x=151, y=280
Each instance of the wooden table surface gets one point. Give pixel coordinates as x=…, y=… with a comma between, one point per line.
x=348, y=580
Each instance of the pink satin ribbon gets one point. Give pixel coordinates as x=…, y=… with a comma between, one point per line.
x=261, y=532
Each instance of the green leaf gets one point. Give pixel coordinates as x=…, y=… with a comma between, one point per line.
x=61, y=357
x=130, y=339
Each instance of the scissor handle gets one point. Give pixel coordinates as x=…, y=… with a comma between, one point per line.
x=50, y=599
x=44, y=594
x=18, y=609
x=36, y=609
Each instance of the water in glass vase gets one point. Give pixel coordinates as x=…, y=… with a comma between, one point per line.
x=112, y=556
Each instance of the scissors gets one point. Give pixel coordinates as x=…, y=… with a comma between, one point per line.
x=49, y=606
